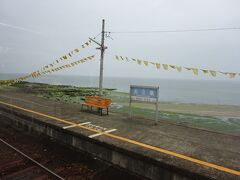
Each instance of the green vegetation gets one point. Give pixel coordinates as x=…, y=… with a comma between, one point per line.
x=219, y=124
x=70, y=94
x=183, y=114
x=229, y=125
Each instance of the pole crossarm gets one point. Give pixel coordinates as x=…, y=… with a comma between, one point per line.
x=95, y=41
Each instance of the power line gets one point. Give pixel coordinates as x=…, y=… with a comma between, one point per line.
x=97, y=35
x=174, y=31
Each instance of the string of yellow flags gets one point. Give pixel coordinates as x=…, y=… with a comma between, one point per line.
x=63, y=58
x=48, y=71
x=158, y=65
x=67, y=56
x=50, y=65
x=69, y=65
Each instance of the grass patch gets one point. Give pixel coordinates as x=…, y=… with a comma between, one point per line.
x=196, y=121
x=72, y=94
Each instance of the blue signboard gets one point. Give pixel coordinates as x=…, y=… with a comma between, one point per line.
x=144, y=93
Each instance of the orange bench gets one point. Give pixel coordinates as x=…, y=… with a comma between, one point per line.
x=98, y=102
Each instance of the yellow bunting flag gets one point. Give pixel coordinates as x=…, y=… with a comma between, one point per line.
x=172, y=66
x=204, y=71
x=165, y=66
x=139, y=62
x=121, y=57
x=232, y=75
x=64, y=57
x=33, y=74
x=76, y=50
x=195, y=71
x=213, y=73
x=178, y=68
x=145, y=63
x=158, y=65
x=117, y=57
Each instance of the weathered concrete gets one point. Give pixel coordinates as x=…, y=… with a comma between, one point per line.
x=212, y=147
x=128, y=160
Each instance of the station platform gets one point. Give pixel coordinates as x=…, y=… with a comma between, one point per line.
x=162, y=151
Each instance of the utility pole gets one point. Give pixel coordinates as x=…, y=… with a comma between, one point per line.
x=102, y=48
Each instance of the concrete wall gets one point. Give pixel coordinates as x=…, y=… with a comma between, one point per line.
x=130, y=161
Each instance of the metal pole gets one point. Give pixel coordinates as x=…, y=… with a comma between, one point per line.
x=32, y=108
x=130, y=104
x=101, y=59
x=11, y=102
x=156, y=116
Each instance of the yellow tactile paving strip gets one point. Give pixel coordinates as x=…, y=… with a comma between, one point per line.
x=157, y=149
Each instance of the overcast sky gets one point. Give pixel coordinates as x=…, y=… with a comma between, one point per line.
x=35, y=33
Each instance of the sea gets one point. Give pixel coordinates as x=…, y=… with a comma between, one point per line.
x=171, y=90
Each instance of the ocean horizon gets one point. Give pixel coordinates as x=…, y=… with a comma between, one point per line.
x=217, y=92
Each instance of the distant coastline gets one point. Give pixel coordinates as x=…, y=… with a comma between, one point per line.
x=172, y=90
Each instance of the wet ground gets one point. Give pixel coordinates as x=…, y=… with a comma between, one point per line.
x=211, y=147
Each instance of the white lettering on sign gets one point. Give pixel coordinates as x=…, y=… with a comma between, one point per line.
x=136, y=98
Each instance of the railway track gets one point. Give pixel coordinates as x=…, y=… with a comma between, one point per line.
x=36, y=158
x=30, y=168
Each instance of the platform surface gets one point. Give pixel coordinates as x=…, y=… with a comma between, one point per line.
x=209, y=153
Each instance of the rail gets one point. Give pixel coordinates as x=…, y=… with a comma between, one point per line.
x=32, y=160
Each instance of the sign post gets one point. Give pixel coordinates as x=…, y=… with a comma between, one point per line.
x=149, y=94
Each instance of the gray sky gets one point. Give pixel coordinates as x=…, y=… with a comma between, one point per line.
x=35, y=33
